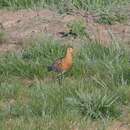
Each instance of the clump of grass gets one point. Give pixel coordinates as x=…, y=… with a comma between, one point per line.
x=124, y=97
x=94, y=105
x=8, y=90
x=18, y=4
x=2, y=37
x=112, y=18
x=77, y=29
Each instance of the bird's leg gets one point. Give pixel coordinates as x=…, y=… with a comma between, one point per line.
x=60, y=78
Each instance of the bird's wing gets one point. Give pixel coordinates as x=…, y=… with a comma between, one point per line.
x=58, y=62
x=57, y=65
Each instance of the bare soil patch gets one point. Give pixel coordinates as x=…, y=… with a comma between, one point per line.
x=24, y=24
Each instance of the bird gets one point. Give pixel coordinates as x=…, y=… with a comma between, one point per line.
x=63, y=64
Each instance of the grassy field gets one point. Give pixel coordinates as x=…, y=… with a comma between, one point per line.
x=94, y=93
x=63, y=5
x=94, y=90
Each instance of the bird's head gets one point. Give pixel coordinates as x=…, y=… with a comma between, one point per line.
x=70, y=50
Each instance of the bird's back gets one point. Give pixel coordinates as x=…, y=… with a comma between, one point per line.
x=56, y=66
x=60, y=65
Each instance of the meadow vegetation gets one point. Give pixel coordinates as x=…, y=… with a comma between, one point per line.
x=62, y=5
x=96, y=87
x=95, y=90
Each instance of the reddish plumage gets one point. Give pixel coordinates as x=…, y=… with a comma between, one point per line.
x=63, y=64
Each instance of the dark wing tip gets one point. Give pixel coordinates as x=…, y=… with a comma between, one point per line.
x=49, y=68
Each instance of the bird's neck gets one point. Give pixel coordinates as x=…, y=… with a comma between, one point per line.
x=68, y=57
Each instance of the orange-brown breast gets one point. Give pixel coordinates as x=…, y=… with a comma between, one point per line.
x=62, y=64
x=66, y=64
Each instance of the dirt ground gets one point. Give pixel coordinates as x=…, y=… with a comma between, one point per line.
x=25, y=24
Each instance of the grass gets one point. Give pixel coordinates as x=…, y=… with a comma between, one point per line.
x=77, y=29
x=95, y=105
x=2, y=37
x=95, y=89
x=112, y=18
x=62, y=6
x=33, y=61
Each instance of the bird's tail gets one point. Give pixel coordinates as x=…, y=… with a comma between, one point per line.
x=49, y=68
